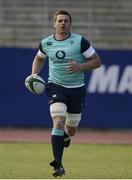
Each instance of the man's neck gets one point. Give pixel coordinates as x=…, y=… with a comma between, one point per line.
x=61, y=36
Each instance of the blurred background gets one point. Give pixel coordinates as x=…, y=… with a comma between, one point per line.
x=107, y=25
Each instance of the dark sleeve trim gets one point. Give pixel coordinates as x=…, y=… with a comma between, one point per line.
x=84, y=45
x=40, y=48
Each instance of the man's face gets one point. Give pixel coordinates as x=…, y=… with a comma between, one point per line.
x=62, y=24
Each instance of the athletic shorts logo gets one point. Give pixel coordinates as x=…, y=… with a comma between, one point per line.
x=54, y=95
x=60, y=54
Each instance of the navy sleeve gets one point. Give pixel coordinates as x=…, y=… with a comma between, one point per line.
x=40, y=48
x=84, y=45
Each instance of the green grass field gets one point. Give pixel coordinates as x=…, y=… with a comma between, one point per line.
x=84, y=161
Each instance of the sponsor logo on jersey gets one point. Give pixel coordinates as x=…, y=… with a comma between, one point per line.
x=111, y=79
x=60, y=54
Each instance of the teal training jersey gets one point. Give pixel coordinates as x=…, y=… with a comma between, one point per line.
x=59, y=53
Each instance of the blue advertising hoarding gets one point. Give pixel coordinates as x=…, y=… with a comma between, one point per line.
x=108, y=100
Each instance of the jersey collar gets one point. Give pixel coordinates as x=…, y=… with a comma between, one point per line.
x=62, y=39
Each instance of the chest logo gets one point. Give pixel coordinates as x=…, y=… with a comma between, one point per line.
x=60, y=54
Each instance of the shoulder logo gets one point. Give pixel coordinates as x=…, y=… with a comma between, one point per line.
x=71, y=42
x=49, y=43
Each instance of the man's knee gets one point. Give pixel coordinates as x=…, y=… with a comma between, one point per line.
x=58, y=114
x=59, y=122
x=72, y=121
x=70, y=130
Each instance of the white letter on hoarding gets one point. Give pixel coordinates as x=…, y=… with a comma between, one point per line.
x=102, y=81
x=126, y=81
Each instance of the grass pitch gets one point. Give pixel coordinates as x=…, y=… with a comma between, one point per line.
x=84, y=161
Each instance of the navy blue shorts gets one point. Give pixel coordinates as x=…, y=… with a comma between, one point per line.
x=73, y=97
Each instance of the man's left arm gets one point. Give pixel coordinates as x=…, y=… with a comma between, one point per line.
x=92, y=59
x=91, y=63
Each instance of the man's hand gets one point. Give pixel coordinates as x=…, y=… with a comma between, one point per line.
x=73, y=66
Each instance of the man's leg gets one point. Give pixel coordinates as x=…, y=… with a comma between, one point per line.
x=58, y=112
x=67, y=139
x=57, y=138
x=72, y=121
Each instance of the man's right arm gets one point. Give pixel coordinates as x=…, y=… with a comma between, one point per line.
x=38, y=62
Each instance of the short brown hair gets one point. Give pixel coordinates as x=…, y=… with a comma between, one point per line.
x=59, y=12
